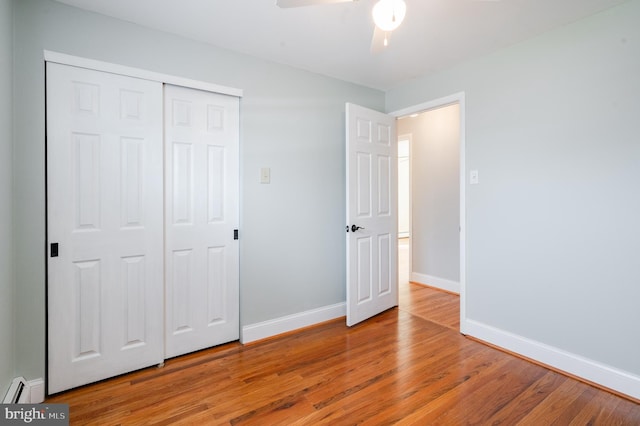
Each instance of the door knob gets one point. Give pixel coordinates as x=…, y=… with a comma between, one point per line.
x=354, y=228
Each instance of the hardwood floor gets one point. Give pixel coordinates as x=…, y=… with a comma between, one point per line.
x=407, y=366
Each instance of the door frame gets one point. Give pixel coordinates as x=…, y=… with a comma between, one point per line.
x=409, y=138
x=456, y=98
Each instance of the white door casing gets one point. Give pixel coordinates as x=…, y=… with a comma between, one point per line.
x=404, y=186
x=201, y=214
x=372, y=190
x=104, y=189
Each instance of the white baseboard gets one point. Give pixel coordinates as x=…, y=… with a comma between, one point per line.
x=431, y=281
x=589, y=370
x=262, y=330
x=36, y=391
x=25, y=392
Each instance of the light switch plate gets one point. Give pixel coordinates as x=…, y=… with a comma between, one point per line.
x=473, y=177
x=265, y=175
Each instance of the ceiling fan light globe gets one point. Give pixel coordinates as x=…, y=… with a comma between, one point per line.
x=389, y=14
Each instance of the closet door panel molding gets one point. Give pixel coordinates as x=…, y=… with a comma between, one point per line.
x=201, y=213
x=104, y=195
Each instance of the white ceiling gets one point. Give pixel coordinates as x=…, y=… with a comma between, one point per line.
x=334, y=39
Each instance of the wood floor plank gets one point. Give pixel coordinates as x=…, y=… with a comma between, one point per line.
x=418, y=394
x=519, y=407
x=507, y=386
x=552, y=407
x=431, y=304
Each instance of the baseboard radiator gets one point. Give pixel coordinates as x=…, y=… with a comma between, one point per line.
x=18, y=392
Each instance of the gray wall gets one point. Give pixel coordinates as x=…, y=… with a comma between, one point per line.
x=292, y=231
x=6, y=257
x=553, y=235
x=435, y=197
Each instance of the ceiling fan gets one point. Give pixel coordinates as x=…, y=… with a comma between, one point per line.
x=387, y=16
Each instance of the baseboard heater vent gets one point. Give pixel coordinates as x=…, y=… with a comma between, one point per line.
x=18, y=392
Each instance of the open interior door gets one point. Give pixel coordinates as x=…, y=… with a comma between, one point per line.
x=372, y=191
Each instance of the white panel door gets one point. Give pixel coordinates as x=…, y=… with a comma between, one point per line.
x=372, y=191
x=104, y=213
x=201, y=213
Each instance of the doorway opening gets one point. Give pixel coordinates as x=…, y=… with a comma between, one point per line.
x=431, y=188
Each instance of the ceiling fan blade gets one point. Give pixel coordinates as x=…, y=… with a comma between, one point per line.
x=378, y=40
x=300, y=3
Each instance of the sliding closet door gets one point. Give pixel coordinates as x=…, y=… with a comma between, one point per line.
x=201, y=214
x=104, y=225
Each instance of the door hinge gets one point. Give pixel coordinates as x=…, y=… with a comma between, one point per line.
x=235, y=234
